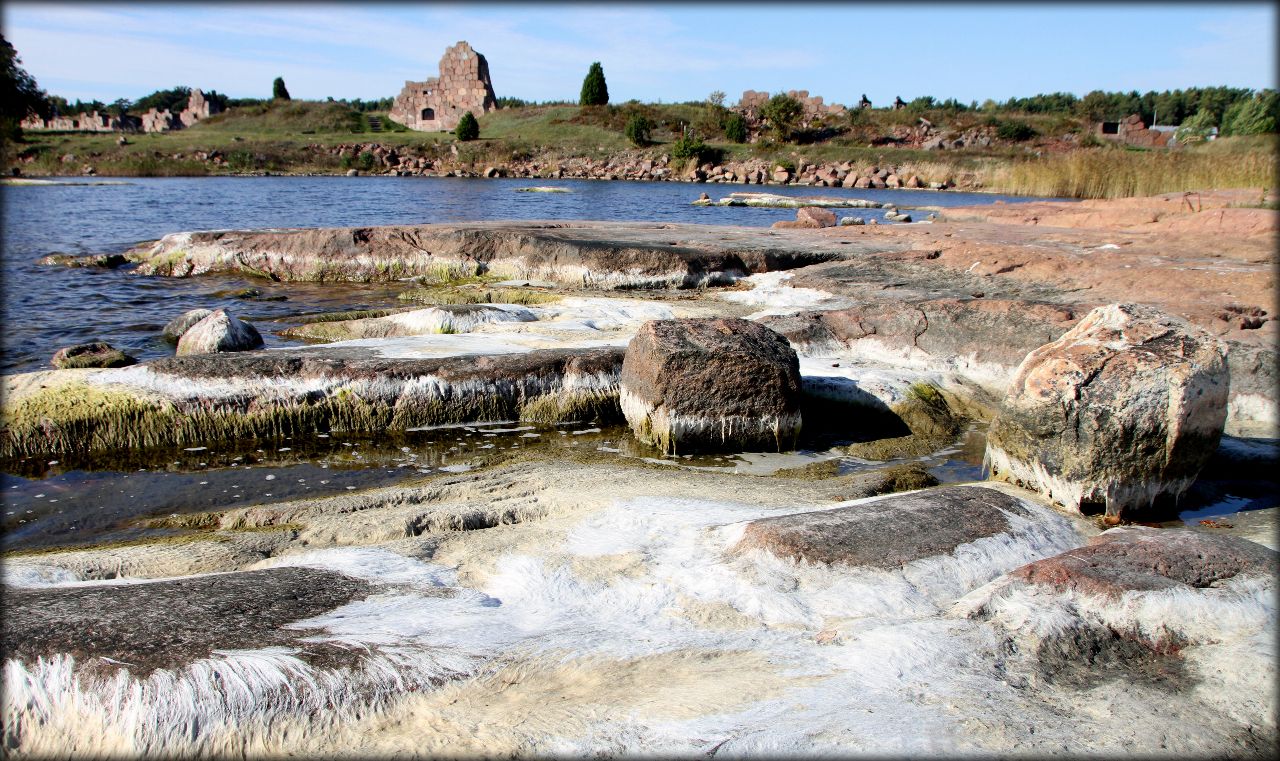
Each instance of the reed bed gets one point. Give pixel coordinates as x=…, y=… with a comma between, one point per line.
x=1120, y=173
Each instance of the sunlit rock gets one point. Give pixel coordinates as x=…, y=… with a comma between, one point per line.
x=219, y=332
x=174, y=329
x=1118, y=414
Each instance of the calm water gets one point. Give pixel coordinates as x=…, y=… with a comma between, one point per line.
x=69, y=500
x=49, y=307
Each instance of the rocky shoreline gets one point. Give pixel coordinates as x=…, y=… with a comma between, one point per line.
x=493, y=611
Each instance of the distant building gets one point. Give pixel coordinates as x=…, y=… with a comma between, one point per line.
x=1132, y=131
x=438, y=103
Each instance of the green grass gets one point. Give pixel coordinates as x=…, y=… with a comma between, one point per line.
x=295, y=137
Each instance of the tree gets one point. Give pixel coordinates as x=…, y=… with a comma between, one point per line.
x=594, y=90
x=19, y=93
x=278, y=90
x=735, y=128
x=468, y=128
x=1255, y=116
x=782, y=112
x=174, y=99
x=637, y=130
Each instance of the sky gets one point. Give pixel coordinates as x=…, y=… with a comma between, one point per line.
x=652, y=52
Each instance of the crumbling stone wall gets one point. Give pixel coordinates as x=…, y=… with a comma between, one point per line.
x=91, y=121
x=152, y=121
x=813, y=109
x=439, y=102
x=197, y=108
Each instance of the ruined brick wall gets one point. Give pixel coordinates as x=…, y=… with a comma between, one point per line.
x=439, y=102
x=197, y=108
x=90, y=121
x=753, y=101
x=152, y=121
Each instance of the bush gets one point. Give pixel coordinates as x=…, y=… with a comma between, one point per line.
x=637, y=130
x=468, y=128
x=595, y=92
x=688, y=145
x=735, y=128
x=1197, y=128
x=1015, y=131
x=782, y=112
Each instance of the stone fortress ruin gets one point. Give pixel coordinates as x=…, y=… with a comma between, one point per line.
x=812, y=108
x=155, y=120
x=438, y=103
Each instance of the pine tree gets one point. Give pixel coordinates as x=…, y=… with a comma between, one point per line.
x=468, y=128
x=278, y=90
x=594, y=90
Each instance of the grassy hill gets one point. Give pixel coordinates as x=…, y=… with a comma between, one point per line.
x=1054, y=155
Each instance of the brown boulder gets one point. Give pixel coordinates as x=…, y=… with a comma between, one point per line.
x=814, y=216
x=711, y=384
x=887, y=533
x=1146, y=559
x=1120, y=413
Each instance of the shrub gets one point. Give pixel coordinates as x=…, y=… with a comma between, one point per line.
x=278, y=90
x=1015, y=131
x=365, y=161
x=595, y=92
x=468, y=128
x=637, y=130
x=782, y=112
x=735, y=128
x=688, y=145
x=1197, y=128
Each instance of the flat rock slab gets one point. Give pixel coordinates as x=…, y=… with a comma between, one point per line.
x=600, y=254
x=1146, y=559
x=169, y=624
x=888, y=533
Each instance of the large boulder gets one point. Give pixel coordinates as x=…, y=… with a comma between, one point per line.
x=93, y=354
x=1119, y=414
x=711, y=384
x=219, y=332
x=174, y=329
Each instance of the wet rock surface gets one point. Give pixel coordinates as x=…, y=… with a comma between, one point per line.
x=1134, y=558
x=887, y=533
x=1118, y=415
x=94, y=354
x=711, y=384
x=169, y=624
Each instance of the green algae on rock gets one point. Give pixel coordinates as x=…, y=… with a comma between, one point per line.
x=203, y=398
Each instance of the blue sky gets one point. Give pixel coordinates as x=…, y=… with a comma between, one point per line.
x=650, y=51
